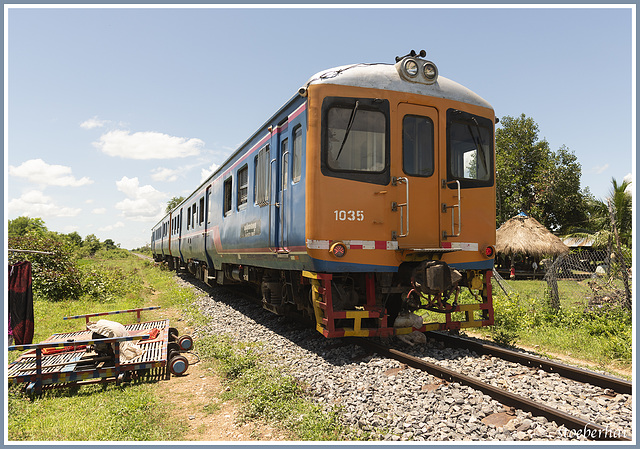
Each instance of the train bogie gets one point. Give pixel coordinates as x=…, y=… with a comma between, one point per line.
x=368, y=195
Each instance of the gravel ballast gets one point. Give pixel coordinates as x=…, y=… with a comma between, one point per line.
x=381, y=399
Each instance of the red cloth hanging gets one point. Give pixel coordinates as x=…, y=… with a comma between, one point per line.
x=21, y=303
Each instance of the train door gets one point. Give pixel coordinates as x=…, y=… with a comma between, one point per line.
x=208, y=235
x=467, y=178
x=416, y=178
x=179, y=234
x=279, y=170
x=285, y=195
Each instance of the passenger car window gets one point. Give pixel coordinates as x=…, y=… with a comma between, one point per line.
x=226, y=204
x=297, y=153
x=262, y=178
x=243, y=187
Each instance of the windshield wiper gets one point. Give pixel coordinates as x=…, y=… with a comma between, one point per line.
x=479, y=143
x=346, y=134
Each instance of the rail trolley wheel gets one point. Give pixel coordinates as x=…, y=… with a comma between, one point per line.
x=185, y=342
x=173, y=334
x=178, y=365
x=173, y=347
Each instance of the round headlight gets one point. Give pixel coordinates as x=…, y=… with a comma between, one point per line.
x=411, y=68
x=430, y=71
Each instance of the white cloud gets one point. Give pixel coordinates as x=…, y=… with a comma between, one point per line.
x=37, y=204
x=164, y=174
x=99, y=211
x=39, y=172
x=598, y=170
x=630, y=188
x=147, y=145
x=142, y=203
x=111, y=227
x=93, y=122
x=206, y=172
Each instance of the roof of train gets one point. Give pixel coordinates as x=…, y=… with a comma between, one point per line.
x=385, y=76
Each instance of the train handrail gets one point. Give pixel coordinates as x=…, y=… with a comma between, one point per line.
x=444, y=209
x=405, y=205
x=273, y=250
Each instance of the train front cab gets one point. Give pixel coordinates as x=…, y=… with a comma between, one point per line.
x=413, y=183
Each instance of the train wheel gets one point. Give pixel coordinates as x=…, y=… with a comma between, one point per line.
x=173, y=334
x=178, y=365
x=185, y=342
x=172, y=347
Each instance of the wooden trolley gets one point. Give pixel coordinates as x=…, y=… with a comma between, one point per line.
x=70, y=358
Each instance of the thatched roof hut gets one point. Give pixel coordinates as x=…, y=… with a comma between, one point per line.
x=525, y=235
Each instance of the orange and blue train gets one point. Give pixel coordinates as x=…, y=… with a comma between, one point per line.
x=369, y=195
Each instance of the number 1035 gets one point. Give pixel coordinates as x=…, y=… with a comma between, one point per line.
x=349, y=215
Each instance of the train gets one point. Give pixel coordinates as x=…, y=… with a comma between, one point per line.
x=369, y=196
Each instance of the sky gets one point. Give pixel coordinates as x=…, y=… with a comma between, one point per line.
x=111, y=112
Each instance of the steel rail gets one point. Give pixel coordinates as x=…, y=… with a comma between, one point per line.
x=587, y=428
x=569, y=372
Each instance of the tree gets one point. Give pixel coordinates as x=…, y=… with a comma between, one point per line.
x=562, y=201
x=55, y=273
x=74, y=238
x=533, y=179
x=622, y=204
x=25, y=225
x=109, y=244
x=520, y=162
x=173, y=203
x=91, y=244
x=599, y=221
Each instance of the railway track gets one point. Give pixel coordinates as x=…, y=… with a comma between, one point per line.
x=570, y=372
x=572, y=423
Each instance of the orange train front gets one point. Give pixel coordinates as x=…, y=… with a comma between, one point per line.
x=369, y=196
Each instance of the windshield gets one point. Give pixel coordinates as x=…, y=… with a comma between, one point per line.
x=355, y=139
x=359, y=146
x=469, y=149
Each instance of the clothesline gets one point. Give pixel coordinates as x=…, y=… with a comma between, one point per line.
x=49, y=253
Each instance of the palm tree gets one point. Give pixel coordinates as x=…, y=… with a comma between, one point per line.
x=622, y=203
x=599, y=227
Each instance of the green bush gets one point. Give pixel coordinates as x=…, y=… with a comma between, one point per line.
x=606, y=332
x=55, y=276
x=507, y=320
x=105, y=283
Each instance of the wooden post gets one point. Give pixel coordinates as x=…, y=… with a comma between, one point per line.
x=552, y=282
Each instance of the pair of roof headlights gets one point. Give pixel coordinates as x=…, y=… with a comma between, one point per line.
x=413, y=67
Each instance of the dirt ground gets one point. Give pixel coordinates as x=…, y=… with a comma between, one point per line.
x=194, y=401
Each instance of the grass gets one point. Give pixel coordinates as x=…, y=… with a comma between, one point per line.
x=100, y=413
x=602, y=337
